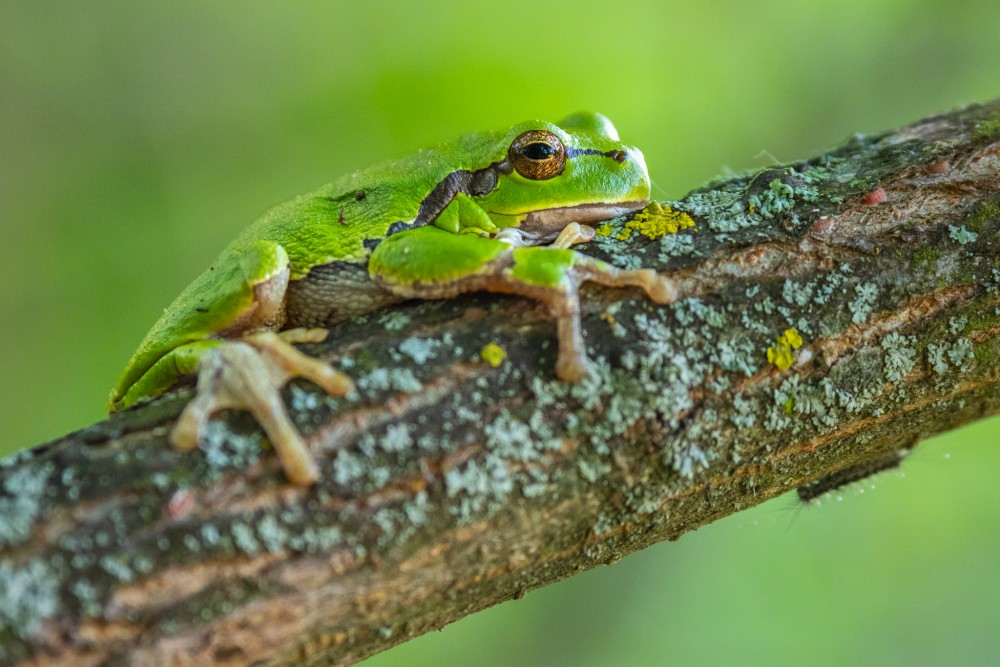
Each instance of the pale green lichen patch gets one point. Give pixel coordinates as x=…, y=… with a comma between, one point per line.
x=478, y=487
x=733, y=208
x=959, y=234
x=272, y=534
x=395, y=320
x=515, y=440
x=397, y=438
x=937, y=357
x=419, y=349
x=23, y=494
x=900, y=356
x=678, y=245
x=245, y=539
x=87, y=597
x=863, y=302
x=28, y=596
x=775, y=200
x=117, y=565
x=961, y=352
x=724, y=211
x=225, y=449
x=797, y=293
x=383, y=379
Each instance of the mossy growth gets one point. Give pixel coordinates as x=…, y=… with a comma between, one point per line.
x=926, y=260
x=983, y=213
x=989, y=127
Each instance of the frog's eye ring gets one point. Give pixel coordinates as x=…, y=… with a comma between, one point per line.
x=538, y=155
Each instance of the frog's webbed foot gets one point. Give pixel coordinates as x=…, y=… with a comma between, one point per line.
x=248, y=374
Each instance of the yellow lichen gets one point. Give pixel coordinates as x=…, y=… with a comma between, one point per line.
x=625, y=233
x=792, y=337
x=493, y=354
x=781, y=353
x=654, y=221
x=658, y=220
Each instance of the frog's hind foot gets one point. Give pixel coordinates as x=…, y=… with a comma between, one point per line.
x=248, y=374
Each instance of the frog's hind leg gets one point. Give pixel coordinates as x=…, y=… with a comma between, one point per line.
x=247, y=374
x=429, y=263
x=222, y=328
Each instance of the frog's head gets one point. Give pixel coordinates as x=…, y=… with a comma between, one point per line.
x=548, y=175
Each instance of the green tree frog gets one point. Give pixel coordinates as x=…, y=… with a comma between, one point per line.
x=494, y=211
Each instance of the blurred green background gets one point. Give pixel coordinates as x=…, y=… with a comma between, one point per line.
x=136, y=138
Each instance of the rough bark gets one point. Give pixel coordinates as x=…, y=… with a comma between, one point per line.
x=450, y=485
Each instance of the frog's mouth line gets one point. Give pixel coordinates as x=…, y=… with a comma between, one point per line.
x=554, y=219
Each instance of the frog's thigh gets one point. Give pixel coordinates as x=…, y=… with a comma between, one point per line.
x=243, y=291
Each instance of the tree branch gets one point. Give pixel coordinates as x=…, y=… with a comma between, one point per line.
x=450, y=485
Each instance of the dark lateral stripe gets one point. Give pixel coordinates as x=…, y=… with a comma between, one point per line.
x=474, y=183
x=394, y=228
x=617, y=155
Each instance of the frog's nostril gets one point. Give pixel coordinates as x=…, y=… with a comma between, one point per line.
x=618, y=156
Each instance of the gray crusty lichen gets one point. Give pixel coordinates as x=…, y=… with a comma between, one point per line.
x=435, y=439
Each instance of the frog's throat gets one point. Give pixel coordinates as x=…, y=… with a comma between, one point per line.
x=550, y=219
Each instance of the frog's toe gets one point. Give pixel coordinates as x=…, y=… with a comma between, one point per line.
x=248, y=374
x=303, y=335
x=660, y=289
x=571, y=367
x=289, y=362
x=574, y=233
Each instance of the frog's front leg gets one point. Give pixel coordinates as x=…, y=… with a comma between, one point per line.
x=431, y=263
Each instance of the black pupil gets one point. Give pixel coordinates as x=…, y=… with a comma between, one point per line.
x=538, y=151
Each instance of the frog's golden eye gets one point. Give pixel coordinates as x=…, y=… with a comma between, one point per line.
x=538, y=155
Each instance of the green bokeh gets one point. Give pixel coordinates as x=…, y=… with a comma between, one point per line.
x=136, y=138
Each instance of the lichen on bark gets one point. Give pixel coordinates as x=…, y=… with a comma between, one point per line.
x=451, y=483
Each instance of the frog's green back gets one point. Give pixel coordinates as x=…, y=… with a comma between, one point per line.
x=333, y=222
x=330, y=224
